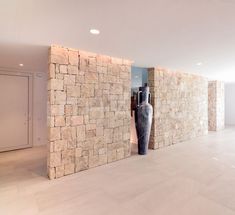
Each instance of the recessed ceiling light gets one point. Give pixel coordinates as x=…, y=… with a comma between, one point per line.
x=199, y=63
x=95, y=31
x=136, y=76
x=21, y=64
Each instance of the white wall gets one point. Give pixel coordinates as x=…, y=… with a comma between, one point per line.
x=40, y=109
x=230, y=104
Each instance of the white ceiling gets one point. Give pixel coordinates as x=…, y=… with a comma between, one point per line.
x=176, y=34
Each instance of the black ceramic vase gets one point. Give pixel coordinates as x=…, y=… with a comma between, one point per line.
x=143, y=119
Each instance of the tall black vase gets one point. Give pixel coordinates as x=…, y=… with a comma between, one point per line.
x=143, y=119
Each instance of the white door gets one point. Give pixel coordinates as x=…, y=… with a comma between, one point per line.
x=15, y=111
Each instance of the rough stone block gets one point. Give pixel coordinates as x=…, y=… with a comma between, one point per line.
x=72, y=144
x=69, y=168
x=59, y=121
x=73, y=91
x=77, y=120
x=100, y=131
x=103, y=159
x=51, y=97
x=69, y=80
x=91, y=77
x=60, y=97
x=73, y=57
x=58, y=55
x=68, y=156
x=57, y=110
x=60, y=145
x=68, y=133
x=81, y=133
x=112, y=156
x=51, y=71
x=55, y=159
x=63, y=69
x=51, y=173
x=51, y=122
x=96, y=113
x=108, y=135
x=59, y=171
x=93, y=161
x=50, y=146
x=78, y=152
x=80, y=79
x=54, y=134
x=68, y=110
x=81, y=163
x=72, y=70
x=120, y=153
x=55, y=84
x=90, y=134
x=87, y=91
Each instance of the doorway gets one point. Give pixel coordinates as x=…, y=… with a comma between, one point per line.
x=139, y=76
x=16, y=110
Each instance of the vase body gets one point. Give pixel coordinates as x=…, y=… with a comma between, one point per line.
x=143, y=116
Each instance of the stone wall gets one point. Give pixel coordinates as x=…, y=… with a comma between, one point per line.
x=216, y=105
x=180, y=104
x=88, y=110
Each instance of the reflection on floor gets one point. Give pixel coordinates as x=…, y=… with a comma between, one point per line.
x=194, y=177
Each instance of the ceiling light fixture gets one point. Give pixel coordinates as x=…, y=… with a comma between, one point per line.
x=21, y=64
x=95, y=31
x=199, y=63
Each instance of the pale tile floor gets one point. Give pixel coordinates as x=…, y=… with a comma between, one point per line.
x=194, y=177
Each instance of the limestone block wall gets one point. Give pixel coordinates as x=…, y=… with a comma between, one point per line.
x=180, y=104
x=88, y=110
x=216, y=102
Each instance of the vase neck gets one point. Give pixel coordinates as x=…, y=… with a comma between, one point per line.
x=145, y=97
x=144, y=94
